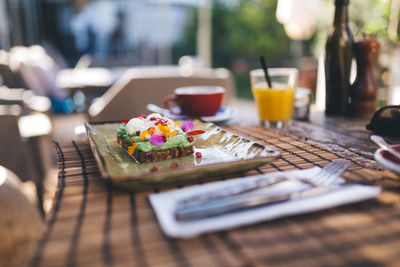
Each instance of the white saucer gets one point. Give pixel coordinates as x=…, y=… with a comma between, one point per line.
x=387, y=160
x=223, y=115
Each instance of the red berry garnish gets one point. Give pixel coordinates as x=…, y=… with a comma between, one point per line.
x=198, y=155
x=154, y=169
x=137, y=133
x=124, y=121
x=174, y=165
x=158, y=122
x=143, y=116
x=190, y=138
x=153, y=118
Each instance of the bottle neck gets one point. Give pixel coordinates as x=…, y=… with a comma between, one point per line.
x=341, y=17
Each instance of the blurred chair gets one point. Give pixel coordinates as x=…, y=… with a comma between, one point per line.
x=7, y=76
x=28, y=101
x=38, y=70
x=20, y=222
x=44, y=72
x=138, y=87
x=24, y=142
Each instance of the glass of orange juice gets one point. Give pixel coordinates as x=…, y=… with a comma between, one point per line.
x=274, y=105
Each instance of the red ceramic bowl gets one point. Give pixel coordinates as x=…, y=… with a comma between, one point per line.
x=388, y=160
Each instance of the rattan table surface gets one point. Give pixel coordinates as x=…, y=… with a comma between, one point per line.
x=94, y=224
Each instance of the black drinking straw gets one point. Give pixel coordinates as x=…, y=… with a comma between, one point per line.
x=265, y=68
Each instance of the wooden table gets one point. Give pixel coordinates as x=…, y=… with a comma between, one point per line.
x=93, y=224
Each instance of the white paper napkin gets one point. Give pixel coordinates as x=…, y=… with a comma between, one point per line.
x=164, y=205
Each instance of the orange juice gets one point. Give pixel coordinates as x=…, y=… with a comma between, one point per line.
x=274, y=104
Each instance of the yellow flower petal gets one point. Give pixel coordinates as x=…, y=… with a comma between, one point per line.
x=167, y=131
x=143, y=135
x=160, y=127
x=151, y=130
x=132, y=148
x=164, y=130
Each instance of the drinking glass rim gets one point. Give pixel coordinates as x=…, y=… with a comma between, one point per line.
x=275, y=71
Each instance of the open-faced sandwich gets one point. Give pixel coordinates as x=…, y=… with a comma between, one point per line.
x=154, y=138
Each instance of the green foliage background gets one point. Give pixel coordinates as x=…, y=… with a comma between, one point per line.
x=247, y=30
x=243, y=30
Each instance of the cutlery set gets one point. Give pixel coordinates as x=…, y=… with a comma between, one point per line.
x=244, y=195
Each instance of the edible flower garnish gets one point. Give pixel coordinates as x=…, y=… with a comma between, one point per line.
x=157, y=129
x=158, y=139
x=165, y=130
x=132, y=148
x=151, y=130
x=143, y=135
x=187, y=126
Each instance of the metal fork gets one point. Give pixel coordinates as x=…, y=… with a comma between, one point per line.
x=324, y=177
x=328, y=174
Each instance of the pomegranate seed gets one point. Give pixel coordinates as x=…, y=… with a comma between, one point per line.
x=158, y=122
x=174, y=165
x=138, y=133
x=190, y=138
x=142, y=116
x=153, y=118
x=198, y=155
x=154, y=169
x=124, y=121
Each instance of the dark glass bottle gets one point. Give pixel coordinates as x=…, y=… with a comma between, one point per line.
x=339, y=53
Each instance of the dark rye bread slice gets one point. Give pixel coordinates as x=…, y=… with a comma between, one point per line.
x=156, y=155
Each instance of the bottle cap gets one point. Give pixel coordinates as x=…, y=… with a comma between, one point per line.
x=341, y=2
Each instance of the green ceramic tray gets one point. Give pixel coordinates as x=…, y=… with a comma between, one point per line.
x=223, y=154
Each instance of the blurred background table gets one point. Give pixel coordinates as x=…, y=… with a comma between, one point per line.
x=91, y=81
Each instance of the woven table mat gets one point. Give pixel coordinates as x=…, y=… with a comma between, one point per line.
x=93, y=224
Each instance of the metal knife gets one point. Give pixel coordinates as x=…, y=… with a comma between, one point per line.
x=243, y=202
x=232, y=190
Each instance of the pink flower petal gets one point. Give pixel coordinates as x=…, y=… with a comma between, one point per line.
x=187, y=126
x=157, y=139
